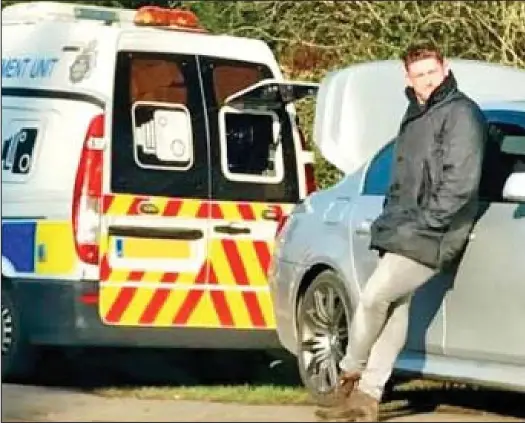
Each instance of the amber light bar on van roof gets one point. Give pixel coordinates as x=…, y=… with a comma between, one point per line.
x=167, y=18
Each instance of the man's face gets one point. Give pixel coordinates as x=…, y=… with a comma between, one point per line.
x=424, y=76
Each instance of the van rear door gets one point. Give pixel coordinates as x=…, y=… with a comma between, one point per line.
x=155, y=208
x=256, y=178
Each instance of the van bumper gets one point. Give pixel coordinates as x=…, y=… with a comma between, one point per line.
x=53, y=315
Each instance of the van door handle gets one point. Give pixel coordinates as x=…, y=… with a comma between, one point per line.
x=156, y=233
x=232, y=230
x=148, y=208
x=272, y=213
x=364, y=228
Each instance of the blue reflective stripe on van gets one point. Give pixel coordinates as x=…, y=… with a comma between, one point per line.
x=18, y=245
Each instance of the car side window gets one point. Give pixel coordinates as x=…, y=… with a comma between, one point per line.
x=504, y=155
x=378, y=174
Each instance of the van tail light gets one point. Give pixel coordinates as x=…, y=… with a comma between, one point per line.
x=311, y=185
x=280, y=224
x=309, y=173
x=89, y=298
x=87, y=194
x=300, y=208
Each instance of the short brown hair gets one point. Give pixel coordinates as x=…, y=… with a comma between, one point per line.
x=419, y=52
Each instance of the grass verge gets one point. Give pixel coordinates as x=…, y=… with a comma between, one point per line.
x=246, y=394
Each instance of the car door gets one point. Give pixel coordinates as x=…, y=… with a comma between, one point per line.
x=426, y=323
x=254, y=182
x=154, y=238
x=486, y=307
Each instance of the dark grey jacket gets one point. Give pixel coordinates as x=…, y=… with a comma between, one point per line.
x=432, y=201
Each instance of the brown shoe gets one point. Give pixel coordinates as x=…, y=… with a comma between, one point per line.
x=363, y=407
x=347, y=384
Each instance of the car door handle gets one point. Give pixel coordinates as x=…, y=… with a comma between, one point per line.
x=364, y=228
x=232, y=230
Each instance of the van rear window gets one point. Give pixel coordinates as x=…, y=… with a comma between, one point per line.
x=252, y=149
x=159, y=142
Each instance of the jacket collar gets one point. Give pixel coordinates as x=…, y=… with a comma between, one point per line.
x=447, y=87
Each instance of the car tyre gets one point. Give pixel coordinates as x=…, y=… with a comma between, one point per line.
x=324, y=314
x=18, y=356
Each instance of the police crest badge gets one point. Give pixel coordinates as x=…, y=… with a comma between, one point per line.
x=84, y=63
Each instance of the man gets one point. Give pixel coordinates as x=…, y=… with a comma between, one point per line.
x=428, y=214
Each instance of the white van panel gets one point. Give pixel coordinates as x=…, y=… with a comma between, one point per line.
x=235, y=48
x=56, y=76
x=78, y=57
x=47, y=188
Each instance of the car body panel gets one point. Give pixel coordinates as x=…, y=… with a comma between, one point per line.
x=492, y=301
x=486, y=305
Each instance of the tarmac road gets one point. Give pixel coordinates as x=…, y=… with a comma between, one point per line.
x=31, y=403
x=60, y=390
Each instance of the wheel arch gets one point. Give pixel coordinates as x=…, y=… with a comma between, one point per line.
x=316, y=269
x=309, y=276
x=306, y=280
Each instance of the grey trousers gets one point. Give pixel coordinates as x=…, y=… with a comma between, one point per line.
x=379, y=327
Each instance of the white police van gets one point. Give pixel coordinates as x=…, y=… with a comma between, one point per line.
x=146, y=167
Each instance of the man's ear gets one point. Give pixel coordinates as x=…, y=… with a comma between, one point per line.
x=446, y=66
x=408, y=81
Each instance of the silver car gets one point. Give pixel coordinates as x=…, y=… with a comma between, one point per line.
x=468, y=325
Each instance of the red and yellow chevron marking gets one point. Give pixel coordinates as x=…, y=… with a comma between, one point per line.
x=199, y=304
x=229, y=291
x=129, y=205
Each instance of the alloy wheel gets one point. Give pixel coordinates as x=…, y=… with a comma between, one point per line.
x=323, y=336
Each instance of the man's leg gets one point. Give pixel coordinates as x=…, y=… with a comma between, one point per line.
x=386, y=349
x=394, y=297
x=394, y=279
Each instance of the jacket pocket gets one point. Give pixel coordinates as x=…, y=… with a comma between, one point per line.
x=425, y=186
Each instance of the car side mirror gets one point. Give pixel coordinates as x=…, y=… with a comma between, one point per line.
x=514, y=189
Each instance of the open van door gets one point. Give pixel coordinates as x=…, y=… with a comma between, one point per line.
x=257, y=178
x=272, y=93
x=358, y=113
